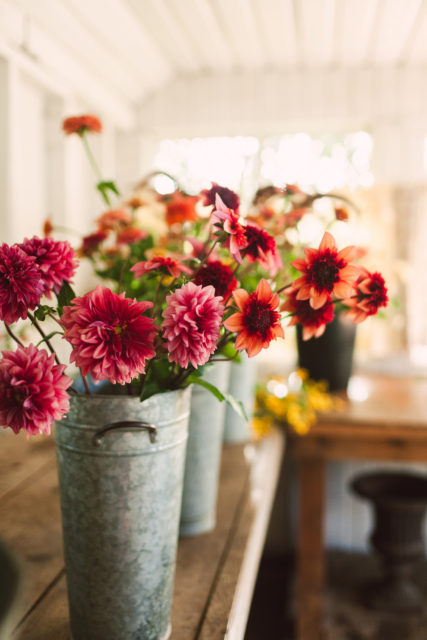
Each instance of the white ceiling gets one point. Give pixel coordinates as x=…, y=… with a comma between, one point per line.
x=132, y=48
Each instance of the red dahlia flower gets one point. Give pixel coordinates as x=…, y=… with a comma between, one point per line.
x=111, y=339
x=229, y=198
x=257, y=321
x=326, y=271
x=313, y=321
x=91, y=242
x=56, y=261
x=21, y=283
x=131, y=235
x=160, y=263
x=369, y=295
x=228, y=220
x=219, y=275
x=192, y=322
x=262, y=248
x=81, y=124
x=32, y=390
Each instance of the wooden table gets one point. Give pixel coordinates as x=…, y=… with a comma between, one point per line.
x=388, y=422
x=215, y=573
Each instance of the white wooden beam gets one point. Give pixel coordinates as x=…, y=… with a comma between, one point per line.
x=9, y=164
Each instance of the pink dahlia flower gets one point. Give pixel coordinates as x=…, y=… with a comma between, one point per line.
x=111, y=339
x=21, y=283
x=192, y=322
x=33, y=390
x=56, y=261
x=228, y=220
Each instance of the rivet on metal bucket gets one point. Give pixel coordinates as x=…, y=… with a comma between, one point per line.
x=125, y=425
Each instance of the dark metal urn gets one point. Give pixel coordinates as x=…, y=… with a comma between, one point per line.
x=329, y=357
x=399, y=501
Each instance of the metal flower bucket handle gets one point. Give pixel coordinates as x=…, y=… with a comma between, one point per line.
x=125, y=425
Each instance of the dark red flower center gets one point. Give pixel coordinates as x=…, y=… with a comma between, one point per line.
x=323, y=272
x=219, y=275
x=259, y=317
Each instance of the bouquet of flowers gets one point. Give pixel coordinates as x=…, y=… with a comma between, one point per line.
x=213, y=286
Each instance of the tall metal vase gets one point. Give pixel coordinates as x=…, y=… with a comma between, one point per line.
x=198, y=513
x=121, y=466
x=242, y=387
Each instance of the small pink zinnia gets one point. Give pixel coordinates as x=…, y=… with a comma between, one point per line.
x=114, y=219
x=162, y=264
x=326, y=271
x=313, y=321
x=257, y=322
x=192, y=323
x=21, y=283
x=262, y=248
x=369, y=295
x=111, y=339
x=32, y=390
x=228, y=220
x=56, y=261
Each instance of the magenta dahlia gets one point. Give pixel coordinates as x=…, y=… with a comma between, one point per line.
x=192, y=322
x=261, y=247
x=56, y=261
x=111, y=339
x=229, y=197
x=21, y=283
x=33, y=390
x=219, y=275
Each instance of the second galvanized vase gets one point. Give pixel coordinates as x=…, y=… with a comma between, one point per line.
x=198, y=513
x=121, y=466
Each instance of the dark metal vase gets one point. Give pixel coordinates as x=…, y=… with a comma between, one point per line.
x=399, y=501
x=329, y=357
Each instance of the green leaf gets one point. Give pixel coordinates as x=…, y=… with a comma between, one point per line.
x=48, y=337
x=107, y=185
x=65, y=296
x=237, y=405
x=42, y=311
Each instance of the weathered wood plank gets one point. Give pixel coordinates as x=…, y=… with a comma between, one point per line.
x=237, y=577
x=30, y=526
x=199, y=558
x=21, y=458
x=54, y=626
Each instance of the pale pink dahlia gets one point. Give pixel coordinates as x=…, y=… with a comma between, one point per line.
x=192, y=322
x=111, y=339
x=32, y=390
x=21, y=283
x=56, y=261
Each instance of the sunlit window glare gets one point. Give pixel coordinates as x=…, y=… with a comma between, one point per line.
x=243, y=163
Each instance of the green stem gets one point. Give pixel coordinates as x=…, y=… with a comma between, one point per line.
x=42, y=333
x=12, y=335
x=95, y=168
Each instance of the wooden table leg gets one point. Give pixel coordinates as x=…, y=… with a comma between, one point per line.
x=310, y=558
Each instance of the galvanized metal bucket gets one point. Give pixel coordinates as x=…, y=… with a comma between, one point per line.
x=121, y=465
x=198, y=512
x=242, y=387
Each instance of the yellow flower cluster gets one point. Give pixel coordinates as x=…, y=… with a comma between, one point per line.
x=291, y=402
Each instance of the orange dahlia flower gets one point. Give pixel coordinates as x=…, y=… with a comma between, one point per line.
x=257, y=322
x=327, y=272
